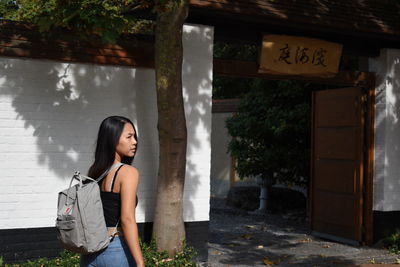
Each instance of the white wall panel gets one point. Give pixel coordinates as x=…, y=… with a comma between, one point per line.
x=387, y=130
x=49, y=117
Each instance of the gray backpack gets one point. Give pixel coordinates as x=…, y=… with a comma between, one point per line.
x=80, y=220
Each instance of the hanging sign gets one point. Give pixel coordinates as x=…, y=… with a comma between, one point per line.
x=290, y=55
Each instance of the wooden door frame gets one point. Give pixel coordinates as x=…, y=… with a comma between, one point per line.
x=364, y=80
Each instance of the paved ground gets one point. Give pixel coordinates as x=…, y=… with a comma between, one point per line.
x=241, y=239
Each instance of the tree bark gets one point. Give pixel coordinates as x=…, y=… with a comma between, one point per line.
x=168, y=228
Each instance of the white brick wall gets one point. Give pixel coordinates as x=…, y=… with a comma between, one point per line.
x=387, y=130
x=49, y=117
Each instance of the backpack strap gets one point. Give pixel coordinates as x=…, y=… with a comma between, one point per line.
x=115, y=232
x=116, y=165
x=111, y=190
x=113, y=179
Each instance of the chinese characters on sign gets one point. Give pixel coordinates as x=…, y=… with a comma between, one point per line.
x=299, y=56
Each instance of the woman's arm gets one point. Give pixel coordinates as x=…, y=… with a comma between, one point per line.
x=129, y=184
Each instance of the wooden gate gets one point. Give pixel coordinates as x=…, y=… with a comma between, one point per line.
x=338, y=164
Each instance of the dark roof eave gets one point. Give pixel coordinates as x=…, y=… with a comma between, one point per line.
x=252, y=27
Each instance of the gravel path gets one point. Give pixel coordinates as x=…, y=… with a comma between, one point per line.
x=241, y=239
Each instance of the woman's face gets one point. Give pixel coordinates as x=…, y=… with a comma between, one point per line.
x=127, y=143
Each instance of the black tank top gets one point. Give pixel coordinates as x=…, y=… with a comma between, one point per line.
x=112, y=204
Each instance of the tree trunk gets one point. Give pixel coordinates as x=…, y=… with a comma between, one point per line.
x=168, y=228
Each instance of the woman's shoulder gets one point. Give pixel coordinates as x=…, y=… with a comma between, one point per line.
x=129, y=171
x=129, y=178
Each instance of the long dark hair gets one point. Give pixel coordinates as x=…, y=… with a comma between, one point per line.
x=107, y=140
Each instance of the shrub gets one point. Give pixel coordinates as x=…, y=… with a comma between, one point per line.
x=271, y=132
x=393, y=242
x=154, y=258
x=150, y=254
x=66, y=259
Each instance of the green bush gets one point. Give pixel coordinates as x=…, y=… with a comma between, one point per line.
x=271, y=131
x=154, y=258
x=150, y=254
x=393, y=242
x=66, y=259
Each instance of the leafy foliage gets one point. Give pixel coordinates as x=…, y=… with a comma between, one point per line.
x=271, y=131
x=8, y=9
x=106, y=18
x=151, y=256
x=66, y=259
x=154, y=258
x=230, y=87
x=392, y=242
x=237, y=51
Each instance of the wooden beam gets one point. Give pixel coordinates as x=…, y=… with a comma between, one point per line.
x=225, y=105
x=24, y=40
x=249, y=69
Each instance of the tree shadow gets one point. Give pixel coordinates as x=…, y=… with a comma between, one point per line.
x=392, y=159
x=51, y=112
x=249, y=240
x=387, y=116
x=57, y=103
x=251, y=248
x=197, y=84
x=387, y=148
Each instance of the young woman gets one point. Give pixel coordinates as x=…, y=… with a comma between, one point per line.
x=117, y=143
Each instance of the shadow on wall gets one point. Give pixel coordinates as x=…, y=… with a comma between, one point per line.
x=392, y=159
x=57, y=109
x=387, y=152
x=197, y=83
x=60, y=107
